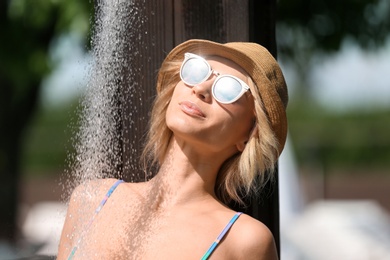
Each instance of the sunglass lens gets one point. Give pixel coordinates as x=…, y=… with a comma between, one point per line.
x=226, y=89
x=194, y=71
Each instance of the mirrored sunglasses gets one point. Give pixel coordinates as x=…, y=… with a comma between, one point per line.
x=226, y=88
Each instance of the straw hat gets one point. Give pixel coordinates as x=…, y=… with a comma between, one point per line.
x=258, y=63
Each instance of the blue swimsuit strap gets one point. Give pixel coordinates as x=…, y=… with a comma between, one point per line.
x=221, y=236
x=98, y=209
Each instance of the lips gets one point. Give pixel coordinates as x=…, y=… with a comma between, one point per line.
x=191, y=109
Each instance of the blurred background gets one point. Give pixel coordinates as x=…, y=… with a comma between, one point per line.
x=335, y=171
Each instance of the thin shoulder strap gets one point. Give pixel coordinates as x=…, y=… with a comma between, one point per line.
x=98, y=209
x=221, y=236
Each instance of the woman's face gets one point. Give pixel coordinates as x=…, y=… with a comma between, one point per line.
x=197, y=119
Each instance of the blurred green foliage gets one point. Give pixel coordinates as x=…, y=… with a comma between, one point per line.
x=349, y=140
x=309, y=28
x=325, y=24
x=28, y=28
x=48, y=139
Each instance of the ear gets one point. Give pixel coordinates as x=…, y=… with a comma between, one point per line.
x=254, y=131
x=241, y=145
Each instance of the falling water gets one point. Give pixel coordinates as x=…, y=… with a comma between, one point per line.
x=99, y=141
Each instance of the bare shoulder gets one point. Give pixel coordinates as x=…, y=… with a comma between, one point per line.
x=253, y=239
x=82, y=203
x=87, y=196
x=91, y=188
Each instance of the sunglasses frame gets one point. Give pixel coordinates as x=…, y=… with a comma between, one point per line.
x=244, y=86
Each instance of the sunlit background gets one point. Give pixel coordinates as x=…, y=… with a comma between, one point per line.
x=335, y=170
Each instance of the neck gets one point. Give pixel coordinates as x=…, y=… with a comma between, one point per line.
x=186, y=175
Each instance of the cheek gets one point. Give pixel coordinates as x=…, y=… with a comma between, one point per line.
x=179, y=90
x=233, y=127
x=172, y=99
x=243, y=126
x=170, y=114
x=243, y=122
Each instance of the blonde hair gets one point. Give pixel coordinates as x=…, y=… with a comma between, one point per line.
x=245, y=173
x=159, y=134
x=240, y=174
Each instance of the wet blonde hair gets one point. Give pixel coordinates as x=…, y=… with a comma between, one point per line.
x=241, y=174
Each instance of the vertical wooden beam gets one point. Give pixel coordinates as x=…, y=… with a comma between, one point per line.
x=150, y=38
x=262, y=26
x=262, y=22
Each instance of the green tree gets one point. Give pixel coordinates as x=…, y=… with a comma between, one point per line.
x=308, y=28
x=28, y=28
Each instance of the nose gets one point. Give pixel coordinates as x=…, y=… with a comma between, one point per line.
x=203, y=90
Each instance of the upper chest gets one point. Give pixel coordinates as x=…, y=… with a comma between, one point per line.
x=132, y=230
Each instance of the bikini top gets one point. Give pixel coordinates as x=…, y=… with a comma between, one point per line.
x=112, y=189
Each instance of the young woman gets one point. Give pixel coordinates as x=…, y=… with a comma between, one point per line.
x=218, y=123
